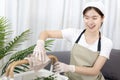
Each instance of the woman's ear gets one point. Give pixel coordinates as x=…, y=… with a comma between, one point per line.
x=103, y=19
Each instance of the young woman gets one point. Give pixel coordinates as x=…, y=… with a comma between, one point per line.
x=91, y=48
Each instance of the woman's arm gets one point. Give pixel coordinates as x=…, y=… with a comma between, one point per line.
x=50, y=34
x=92, y=70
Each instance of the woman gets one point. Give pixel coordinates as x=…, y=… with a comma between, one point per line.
x=91, y=48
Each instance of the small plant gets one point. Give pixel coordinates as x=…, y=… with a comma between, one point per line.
x=9, y=46
x=50, y=77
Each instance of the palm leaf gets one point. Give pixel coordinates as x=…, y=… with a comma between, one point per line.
x=48, y=44
x=14, y=44
x=22, y=54
x=4, y=31
x=25, y=66
x=17, y=68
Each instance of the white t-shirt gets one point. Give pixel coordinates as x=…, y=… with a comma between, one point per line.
x=72, y=34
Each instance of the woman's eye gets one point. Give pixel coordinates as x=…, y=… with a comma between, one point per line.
x=94, y=18
x=86, y=18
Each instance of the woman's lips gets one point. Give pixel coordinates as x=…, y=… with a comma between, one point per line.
x=91, y=27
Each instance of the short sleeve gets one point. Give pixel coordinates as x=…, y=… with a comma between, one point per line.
x=106, y=47
x=70, y=34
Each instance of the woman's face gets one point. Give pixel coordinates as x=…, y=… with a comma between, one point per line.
x=92, y=20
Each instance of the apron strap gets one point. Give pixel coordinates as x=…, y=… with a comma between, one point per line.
x=80, y=36
x=99, y=42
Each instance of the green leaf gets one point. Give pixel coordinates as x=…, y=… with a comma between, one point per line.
x=19, y=69
x=25, y=66
x=14, y=44
x=4, y=31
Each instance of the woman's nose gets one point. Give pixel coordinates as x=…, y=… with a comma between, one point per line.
x=90, y=22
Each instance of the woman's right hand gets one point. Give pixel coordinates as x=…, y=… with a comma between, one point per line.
x=39, y=50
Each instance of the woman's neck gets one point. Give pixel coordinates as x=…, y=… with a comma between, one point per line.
x=91, y=37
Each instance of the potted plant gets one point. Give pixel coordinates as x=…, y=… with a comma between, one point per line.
x=8, y=46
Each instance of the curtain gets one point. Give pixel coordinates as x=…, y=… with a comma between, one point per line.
x=39, y=15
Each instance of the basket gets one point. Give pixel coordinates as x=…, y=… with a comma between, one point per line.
x=32, y=75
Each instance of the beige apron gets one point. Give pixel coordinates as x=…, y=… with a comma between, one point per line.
x=81, y=56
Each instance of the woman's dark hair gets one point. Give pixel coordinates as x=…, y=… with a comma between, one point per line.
x=96, y=9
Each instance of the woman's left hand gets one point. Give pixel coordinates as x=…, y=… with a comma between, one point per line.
x=62, y=67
